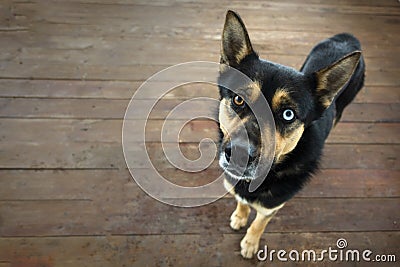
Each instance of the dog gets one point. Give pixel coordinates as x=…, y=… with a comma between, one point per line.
x=305, y=105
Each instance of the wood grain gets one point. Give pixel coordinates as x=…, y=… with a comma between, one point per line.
x=135, y=250
x=67, y=72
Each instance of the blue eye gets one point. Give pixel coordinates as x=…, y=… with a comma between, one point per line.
x=288, y=115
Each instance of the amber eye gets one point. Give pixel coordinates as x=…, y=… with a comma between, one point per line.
x=238, y=101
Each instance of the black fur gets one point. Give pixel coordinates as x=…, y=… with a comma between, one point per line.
x=329, y=51
x=288, y=176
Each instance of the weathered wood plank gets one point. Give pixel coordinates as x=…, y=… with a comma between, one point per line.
x=84, y=57
x=75, y=71
x=115, y=109
x=126, y=90
x=339, y=3
x=79, y=57
x=176, y=14
x=67, y=123
x=353, y=183
x=25, y=185
x=365, y=133
x=73, y=64
x=100, y=155
x=371, y=94
x=221, y=250
x=73, y=130
x=62, y=155
x=26, y=46
x=140, y=214
x=263, y=38
x=364, y=156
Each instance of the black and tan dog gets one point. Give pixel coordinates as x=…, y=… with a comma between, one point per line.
x=305, y=104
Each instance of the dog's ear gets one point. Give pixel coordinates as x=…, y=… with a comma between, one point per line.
x=235, y=40
x=333, y=78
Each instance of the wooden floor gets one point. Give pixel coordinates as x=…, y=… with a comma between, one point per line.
x=67, y=72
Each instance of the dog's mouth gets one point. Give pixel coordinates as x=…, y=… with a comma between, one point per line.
x=243, y=173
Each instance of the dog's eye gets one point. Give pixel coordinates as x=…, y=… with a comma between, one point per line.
x=288, y=115
x=238, y=101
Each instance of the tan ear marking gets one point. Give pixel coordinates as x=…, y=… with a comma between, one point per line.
x=235, y=40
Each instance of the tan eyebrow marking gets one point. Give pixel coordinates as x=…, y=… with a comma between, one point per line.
x=253, y=90
x=280, y=96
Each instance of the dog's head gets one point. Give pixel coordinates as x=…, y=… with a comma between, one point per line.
x=295, y=99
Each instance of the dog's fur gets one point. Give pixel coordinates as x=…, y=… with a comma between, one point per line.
x=316, y=95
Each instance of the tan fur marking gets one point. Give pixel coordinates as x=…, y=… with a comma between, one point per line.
x=229, y=187
x=332, y=78
x=280, y=94
x=235, y=40
x=255, y=91
x=265, y=211
x=250, y=243
x=235, y=29
x=326, y=98
x=239, y=216
x=285, y=144
x=242, y=53
x=223, y=67
x=229, y=121
x=327, y=101
x=223, y=116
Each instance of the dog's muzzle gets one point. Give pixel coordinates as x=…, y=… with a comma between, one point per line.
x=238, y=160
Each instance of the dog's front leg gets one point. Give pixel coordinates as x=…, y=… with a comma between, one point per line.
x=250, y=243
x=239, y=216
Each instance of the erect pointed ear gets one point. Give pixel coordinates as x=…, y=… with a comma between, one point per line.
x=333, y=78
x=235, y=40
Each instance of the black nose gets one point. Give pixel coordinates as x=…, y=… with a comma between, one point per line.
x=241, y=154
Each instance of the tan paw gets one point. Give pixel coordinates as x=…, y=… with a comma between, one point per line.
x=249, y=246
x=238, y=220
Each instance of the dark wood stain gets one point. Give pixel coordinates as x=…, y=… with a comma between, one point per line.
x=67, y=72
